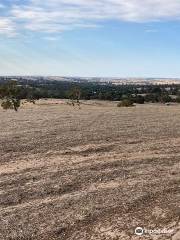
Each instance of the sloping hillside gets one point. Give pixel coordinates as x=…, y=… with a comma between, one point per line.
x=94, y=173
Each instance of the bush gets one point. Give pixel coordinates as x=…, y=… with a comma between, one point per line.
x=154, y=98
x=125, y=103
x=177, y=99
x=165, y=98
x=151, y=98
x=139, y=99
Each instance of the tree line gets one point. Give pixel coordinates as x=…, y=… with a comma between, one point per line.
x=12, y=92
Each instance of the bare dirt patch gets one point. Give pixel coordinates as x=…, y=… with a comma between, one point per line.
x=94, y=173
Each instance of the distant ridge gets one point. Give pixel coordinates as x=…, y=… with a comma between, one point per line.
x=103, y=80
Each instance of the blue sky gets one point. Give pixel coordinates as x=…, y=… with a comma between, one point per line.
x=108, y=38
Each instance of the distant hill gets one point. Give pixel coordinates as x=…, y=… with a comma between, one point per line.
x=115, y=81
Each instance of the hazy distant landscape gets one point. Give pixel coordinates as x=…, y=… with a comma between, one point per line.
x=105, y=80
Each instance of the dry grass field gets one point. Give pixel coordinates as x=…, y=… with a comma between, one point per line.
x=94, y=173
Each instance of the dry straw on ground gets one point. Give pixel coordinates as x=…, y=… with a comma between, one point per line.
x=94, y=173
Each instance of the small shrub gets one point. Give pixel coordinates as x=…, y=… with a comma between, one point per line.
x=178, y=99
x=139, y=99
x=165, y=98
x=125, y=103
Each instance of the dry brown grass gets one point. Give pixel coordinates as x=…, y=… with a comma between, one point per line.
x=94, y=173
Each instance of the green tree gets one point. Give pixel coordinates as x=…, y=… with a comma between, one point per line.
x=75, y=95
x=9, y=95
x=165, y=98
x=138, y=99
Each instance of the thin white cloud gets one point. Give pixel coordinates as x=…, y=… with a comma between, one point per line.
x=49, y=38
x=151, y=30
x=60, y=15
x=7, y=26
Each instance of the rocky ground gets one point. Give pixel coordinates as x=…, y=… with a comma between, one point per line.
x=94, y=173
